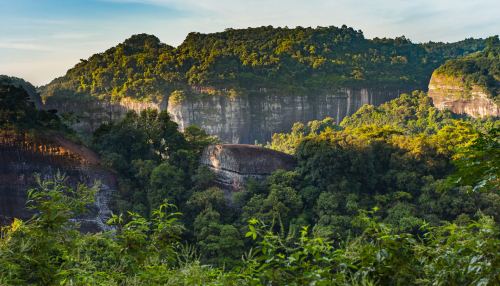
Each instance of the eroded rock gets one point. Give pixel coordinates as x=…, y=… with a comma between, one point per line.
x=449, y=92
x=234, y=164
x=252, y=117
x=23, y=155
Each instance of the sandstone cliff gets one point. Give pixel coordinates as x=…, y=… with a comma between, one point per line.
x=450, y=92
x=244, y=118
x=22, y=155
x=234, y=164
x=256, y=116
x=86, y=114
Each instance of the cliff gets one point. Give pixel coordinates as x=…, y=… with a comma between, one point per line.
x=85, y=114
x=452, y=93
x=279, y=76
x=22, y=155
x=256, y=116
x=234, y=164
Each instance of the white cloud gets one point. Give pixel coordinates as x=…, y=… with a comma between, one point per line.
x=71, y=36
x=19, y=45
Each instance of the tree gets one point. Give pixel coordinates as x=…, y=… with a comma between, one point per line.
x=219, y=243
x=166, y=182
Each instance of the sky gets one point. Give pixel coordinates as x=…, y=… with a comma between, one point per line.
x=41, y=39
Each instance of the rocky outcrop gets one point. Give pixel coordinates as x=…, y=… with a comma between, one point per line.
x=234, y=164
x=256, y=116
x=23, y=155
x=86, y=113
x=449, y=92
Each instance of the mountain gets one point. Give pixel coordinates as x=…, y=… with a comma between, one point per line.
x=469, y=85
x=244, y=73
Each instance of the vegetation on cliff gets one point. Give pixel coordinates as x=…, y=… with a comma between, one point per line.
x=397, y=194
x=255, y=58
x=478, y=69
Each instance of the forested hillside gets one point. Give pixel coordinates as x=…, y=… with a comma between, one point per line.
x=397, y=194
x=264, y=58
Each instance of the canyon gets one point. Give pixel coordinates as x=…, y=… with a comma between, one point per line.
x=86, y=114
x=254, y=117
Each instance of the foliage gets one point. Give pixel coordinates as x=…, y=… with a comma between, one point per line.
x=397, y=194
x=398, y=157
x=148, y=252
x=18, y=111
x=478, y=164
x=154, y=159
x=288, y=142
x=254, y=59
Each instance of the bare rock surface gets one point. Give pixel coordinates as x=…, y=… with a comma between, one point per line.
x=448, y=92
x=22, y=156
x=234, y=164
x=254, y=117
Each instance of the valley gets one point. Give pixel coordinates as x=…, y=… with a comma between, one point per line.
x=258, y=156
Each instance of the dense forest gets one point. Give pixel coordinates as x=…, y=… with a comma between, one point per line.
x=19, y=110
x=265, y=58
x=480, y=68
x=397, y=194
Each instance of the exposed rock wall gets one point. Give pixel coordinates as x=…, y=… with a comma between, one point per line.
x=22, y=155
x=89, y=113
x=247, y=118
x=448, y=92
x=234, y=164
x=256, y=116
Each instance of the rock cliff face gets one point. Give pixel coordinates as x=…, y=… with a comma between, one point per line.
x=256, y=116
x=22, y=155
x=448, y=92
x=89, y=113
x=240, y=119
x=234, y=164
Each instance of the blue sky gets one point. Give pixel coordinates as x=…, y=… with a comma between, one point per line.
x=41, y=39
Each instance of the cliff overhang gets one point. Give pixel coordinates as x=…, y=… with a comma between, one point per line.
x=235, y=164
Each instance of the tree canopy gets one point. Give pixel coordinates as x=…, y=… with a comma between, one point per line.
x=264, y=58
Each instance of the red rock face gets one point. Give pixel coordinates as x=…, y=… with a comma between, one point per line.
x=450, y=93
x=234, y=164
x=22, y=156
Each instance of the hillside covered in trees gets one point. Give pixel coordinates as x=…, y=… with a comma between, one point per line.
x=397, y=194
x=298, y=59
